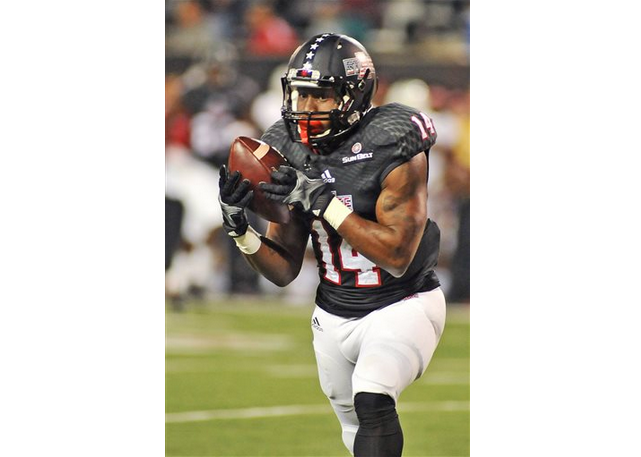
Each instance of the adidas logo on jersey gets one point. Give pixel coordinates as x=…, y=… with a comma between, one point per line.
x=316, y=324
x=327, y=177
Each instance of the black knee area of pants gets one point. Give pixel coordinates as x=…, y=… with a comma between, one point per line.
x=376, y=412
x=379, y=433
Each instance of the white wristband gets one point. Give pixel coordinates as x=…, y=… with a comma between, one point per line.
x=250, y=242
x=336, y=213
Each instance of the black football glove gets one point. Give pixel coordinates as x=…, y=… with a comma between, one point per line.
x=233, y=199
x=309, y=194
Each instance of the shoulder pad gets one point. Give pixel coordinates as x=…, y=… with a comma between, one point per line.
x=409, y=130
x=276, y=135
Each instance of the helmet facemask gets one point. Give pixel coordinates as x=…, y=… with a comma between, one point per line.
x=316, y=129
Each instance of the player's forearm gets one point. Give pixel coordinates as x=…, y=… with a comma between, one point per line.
x=270, y=258
x=274, y=263
x=390, y=248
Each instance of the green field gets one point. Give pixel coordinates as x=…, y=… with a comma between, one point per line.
x=241, y=381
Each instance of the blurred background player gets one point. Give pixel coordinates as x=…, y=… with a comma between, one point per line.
x=358, y=185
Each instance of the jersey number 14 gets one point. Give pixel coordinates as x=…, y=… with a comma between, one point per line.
x=426, y=127
x=341, y=259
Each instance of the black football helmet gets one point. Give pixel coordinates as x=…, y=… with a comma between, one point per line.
x=328, y=61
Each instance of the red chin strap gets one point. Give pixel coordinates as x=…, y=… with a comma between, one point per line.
x=304, y=137
x=305, y=128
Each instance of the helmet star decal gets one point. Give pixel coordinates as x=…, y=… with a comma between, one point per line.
x=322, y=37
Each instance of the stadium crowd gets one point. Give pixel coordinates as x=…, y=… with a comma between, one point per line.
x=224, y=60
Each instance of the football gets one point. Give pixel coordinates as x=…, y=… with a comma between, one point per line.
x=256, y=160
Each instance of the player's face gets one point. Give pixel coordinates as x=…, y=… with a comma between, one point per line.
x=321, y=99
x=317, y=99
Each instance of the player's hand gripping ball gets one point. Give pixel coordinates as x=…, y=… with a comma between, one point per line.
x=255, y=161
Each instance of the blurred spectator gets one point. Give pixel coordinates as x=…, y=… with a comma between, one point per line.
x=190, y=34
x=413, y=92
x=218, y=100
x=194, y=185
x=225, y=18
x=216, y=77
x=365, y=11
x=333, y=16
x=297, y=14
x=213, y=130
x=265, y=109
x=441, y=100
x=326, y=17
x=177, y=119
x=401, y=20
x=268, y=33
x=439, y=16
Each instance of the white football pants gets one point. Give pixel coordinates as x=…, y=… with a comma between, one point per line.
x=383, y=352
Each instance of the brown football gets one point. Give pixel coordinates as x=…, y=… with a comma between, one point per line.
x=256, y=160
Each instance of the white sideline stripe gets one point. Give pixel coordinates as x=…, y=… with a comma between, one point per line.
x=248, y=413
x=299, y=410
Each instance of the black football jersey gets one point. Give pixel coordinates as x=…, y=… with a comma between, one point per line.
x=350, y=284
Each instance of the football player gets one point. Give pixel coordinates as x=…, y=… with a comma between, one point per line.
x=357, y=184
